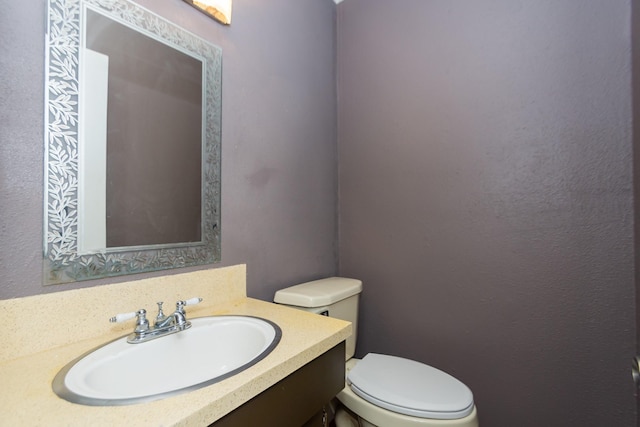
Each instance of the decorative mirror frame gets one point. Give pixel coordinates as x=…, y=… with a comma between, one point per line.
x=62, y=262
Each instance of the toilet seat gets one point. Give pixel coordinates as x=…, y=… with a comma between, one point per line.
x=410, y=388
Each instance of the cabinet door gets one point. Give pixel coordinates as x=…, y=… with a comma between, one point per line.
x=295, y=399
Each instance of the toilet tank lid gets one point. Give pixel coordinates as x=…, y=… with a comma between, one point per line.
x=319, y=293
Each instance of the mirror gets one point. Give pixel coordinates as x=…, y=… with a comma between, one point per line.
x=132, y=149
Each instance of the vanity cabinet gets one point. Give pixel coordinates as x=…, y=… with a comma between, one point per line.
x=296, y=399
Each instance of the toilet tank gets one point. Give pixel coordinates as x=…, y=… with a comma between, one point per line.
x=334, y=297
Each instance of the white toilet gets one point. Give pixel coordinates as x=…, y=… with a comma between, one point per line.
x=383, y=391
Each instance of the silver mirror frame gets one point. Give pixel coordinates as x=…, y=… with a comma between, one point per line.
x=62, y=262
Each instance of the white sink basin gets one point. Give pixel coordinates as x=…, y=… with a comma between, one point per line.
x=214, y=348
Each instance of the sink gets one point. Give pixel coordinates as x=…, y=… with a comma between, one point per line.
x=214, y=348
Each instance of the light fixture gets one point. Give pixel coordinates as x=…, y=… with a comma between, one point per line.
x=219, y=10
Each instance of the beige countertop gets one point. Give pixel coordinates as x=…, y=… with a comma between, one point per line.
x=26, y=396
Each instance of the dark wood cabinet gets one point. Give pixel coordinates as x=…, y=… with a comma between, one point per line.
x=296, y=399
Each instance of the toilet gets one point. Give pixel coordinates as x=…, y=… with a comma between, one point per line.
x=383, y=390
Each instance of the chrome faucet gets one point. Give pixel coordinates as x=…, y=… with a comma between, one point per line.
x=163, y=325
x=178, y=318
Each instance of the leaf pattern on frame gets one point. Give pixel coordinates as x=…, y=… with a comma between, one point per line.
x=62, y=263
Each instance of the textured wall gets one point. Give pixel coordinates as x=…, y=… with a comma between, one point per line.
x=278, y=141
x=485, y=195
x=635, y=45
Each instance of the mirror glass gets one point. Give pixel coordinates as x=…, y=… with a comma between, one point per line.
x=132, y=143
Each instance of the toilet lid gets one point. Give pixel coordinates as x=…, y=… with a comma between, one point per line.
x=410, y=388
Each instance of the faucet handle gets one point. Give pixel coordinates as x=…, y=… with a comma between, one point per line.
x=122, y=317
x=193, y=301
x=142, y=324
x=181, y=304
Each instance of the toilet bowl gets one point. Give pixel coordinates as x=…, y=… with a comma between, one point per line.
x=383, y=390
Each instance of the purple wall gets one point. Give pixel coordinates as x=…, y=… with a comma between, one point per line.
x=635, y=53
x=279, y=164
x=485, y=181
x=485, y=177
